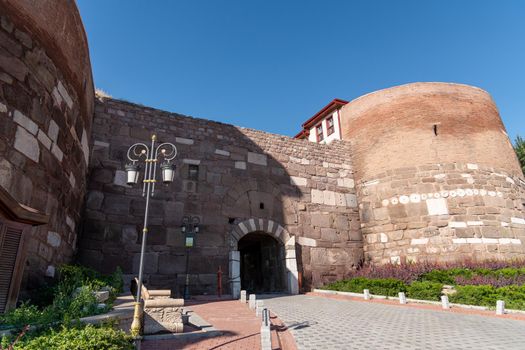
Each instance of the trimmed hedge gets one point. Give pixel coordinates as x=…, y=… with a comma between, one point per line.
x=482, y=295
x=386, y=286
x=424, y=290
x=514, y=296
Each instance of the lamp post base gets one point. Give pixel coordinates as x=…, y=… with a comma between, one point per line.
x=136, y=325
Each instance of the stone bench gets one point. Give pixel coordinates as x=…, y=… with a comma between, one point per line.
x=161, y=312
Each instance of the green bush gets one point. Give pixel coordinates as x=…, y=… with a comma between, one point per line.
x=79, y=338
x=386, y=286
x=475, y=295
x=73, y=298
x=445, y=276
x=424, y=290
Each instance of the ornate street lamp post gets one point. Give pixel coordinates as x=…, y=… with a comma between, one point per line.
x=189, y=227
x=151, y=157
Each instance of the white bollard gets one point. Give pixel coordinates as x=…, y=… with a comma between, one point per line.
x=402, y=298
x=251, y=301
x=444, y=302
x=266, y=337
x=259, y=306
x=243, y=296
x=500, y=307
x=366, y=294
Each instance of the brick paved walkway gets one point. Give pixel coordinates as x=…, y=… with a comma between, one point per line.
x=327, y=323
x=240, y=327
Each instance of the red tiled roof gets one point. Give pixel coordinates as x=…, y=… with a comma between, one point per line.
x=334, y=104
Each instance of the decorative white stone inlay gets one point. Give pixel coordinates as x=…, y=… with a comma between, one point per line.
x=53, y=239
x=101, y=144
x=27, y=144
x=65, y=95
x=85, y=146
x=517, y=221
x=437, y=206
x=191, y=161
x=417, y=241
x=308, y=242
x=502, y=241
x=240, y=165
x=298, y=181
x=371, y=183
x=317, y=196
x=44, y=140
x=415, y=198
x=183, y=141
x=383, y=237
x=222, y=152
x=404, y=199
x=25, y=122
x=257, y=158
x=474, y=223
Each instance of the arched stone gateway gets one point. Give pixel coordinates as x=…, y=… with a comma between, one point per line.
x=273, y=229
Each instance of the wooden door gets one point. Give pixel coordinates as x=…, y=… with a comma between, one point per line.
x=12, y=259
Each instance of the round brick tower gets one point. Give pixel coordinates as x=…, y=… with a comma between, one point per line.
x=436, y=175
x=46, y=112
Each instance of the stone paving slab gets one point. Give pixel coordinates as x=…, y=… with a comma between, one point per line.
x=236, y=325
x=325, y=323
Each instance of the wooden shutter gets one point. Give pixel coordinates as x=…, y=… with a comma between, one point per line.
x=11, y=263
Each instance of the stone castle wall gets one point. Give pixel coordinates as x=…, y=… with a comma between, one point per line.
x=305, y=188
x=46, y=105
x=436, y=175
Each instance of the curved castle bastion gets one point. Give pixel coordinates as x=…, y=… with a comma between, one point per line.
x=46, y=112
x=436, y=176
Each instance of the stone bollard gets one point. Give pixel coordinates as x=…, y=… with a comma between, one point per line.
x=366, y=294
x=243, y=296
x=444, y=302
x=266, y=337
x=500, y=307
x=259, y=306
x=402, y=298
x=251, y=301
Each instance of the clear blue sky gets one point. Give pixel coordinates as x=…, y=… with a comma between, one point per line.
x=270, y=65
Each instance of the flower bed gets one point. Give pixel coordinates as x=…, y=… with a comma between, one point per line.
x=475, y=283
x=73, y=297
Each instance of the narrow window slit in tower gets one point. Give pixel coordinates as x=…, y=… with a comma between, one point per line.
x=261, y=205
x=435, y=130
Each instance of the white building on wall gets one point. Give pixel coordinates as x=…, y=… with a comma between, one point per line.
x=325, y=125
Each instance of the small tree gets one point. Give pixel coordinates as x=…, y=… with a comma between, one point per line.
x=519, y=147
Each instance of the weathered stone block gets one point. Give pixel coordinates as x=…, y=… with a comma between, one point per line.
x=27, y=144
x=25, y=122
x=151, y=262
x=257, y=158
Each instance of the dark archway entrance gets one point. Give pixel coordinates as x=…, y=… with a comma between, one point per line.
x=262, y=259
